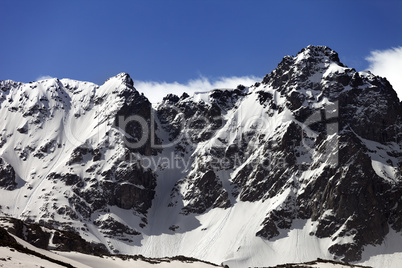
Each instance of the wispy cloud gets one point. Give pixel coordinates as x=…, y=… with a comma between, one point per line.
x=155, y=91
x=388, y=63
x=44, y=77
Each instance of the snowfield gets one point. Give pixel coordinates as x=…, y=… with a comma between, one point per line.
x=11, y=258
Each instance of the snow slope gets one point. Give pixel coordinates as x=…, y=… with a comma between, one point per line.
x=12, y=258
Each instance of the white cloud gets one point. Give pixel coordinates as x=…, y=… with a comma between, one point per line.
x=44, y=77
x=388, y=63
x=155, y=91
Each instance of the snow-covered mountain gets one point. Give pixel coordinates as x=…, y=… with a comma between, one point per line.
x=304, y=164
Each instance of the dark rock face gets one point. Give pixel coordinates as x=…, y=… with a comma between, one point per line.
x=78, y=154
x=127, y=186
x=349, y=195
x=112, y=228
x=69, y=241
x=134, y=187
x=358, y=199
x=171, y=98
x=68, y=178
x=39, y=236
x=373, y=113
x=226, y=99
x=45, y=149
x=7, y=176
x=129, y=196
x=319, y=263
x=6, y=239
x=204, y=192
x=198, y=120
x=135, y=117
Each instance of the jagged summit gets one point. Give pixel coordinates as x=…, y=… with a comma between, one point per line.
x=125, y=78
x=318, y=53
x=311, y=157
x=310, y=61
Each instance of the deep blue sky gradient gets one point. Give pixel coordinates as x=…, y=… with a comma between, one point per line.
x=181, y=40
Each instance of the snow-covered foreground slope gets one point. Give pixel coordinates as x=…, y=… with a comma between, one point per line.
x=10, y=257
x=303, y=165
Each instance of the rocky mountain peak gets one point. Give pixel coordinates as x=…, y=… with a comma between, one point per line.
x=125, y=77
x=317, y=53
x=308, y=66
x=120, y=84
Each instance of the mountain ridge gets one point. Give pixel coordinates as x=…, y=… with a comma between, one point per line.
x=314, y=148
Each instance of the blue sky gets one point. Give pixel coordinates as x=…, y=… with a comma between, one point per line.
x=181, y=41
